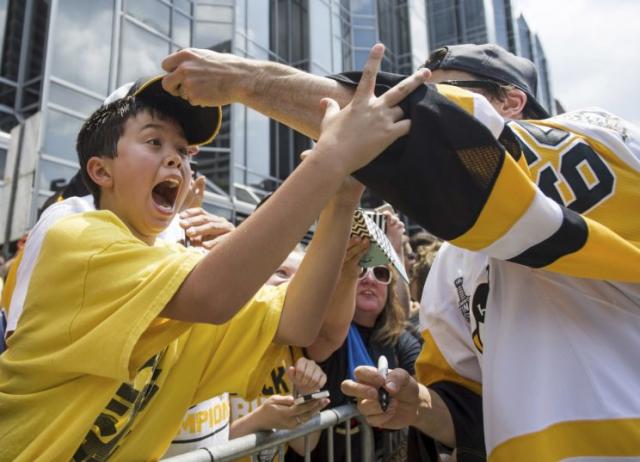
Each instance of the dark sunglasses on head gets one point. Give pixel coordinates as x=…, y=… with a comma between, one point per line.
x=490, y=85
x=382, y=274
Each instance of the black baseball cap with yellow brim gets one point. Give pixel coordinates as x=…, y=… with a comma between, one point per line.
x=201, y=124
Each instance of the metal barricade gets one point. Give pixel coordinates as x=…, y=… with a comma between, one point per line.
x=251, y=445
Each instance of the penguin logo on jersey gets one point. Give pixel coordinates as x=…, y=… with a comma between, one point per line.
x=478, y=311
x=463, y=299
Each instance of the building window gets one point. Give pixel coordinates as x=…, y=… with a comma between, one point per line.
x=393, y=21
x=60, y=134
x=82, y=43
x=152, y=13
x=213, y=29
x=289, y=44
x=141, y=54
x=3, y=162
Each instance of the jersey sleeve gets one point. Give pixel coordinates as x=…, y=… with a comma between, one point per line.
x=94, y=298
x=463, y=175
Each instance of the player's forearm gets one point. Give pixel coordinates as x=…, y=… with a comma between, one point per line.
x=313, y=285
x=292, y=96
x=433, y=418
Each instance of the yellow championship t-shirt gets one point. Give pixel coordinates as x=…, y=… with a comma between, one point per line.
x=93, y=373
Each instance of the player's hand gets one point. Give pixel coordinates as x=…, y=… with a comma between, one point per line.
x=203, y=228
x=368, y=124
x=280, y=412
x=306, y=376
x=207, y=78
x=403, y=391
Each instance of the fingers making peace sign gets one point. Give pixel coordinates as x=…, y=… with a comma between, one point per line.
x=368, y=124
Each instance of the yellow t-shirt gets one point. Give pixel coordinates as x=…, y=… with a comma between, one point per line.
x=93, y=372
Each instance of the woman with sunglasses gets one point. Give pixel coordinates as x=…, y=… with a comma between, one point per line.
x=374, y=323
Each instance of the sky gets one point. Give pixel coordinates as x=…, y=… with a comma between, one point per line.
x=593, y=51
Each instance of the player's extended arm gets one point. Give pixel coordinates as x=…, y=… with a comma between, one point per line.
x=313, y=284
x=284, y=93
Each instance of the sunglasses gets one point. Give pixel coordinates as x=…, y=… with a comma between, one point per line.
x=382, y=274
x=490, y=85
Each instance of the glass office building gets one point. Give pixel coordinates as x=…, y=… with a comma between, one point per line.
x=488, y=21
x=470, y=21
x=61, y=58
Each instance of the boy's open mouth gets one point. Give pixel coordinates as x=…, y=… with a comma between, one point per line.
x=165, y=193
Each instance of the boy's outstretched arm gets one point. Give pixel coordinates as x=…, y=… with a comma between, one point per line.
x=313, y=285
x=337, y=319
x=228, y=276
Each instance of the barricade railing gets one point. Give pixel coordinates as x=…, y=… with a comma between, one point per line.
x=251, y=445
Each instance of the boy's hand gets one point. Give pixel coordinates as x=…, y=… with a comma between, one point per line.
x=203, y=228
x=306, y=376
x=368, y=124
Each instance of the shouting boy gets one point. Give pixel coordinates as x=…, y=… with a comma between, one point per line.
x=121, y=333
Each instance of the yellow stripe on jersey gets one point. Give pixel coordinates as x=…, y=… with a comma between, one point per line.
x=590, y=438
x=510, y=198
x=432, y=367
x=463, y=98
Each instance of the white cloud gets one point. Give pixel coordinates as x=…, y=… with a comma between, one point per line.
x=592, y=48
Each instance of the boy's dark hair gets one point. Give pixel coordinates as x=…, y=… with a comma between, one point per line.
x=103, y=129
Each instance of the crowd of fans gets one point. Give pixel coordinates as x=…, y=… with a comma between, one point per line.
x=379, y=316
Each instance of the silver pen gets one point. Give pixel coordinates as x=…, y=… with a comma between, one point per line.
x=383, y=394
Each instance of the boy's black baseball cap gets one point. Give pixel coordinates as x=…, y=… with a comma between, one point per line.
x=495, y=63
x=200, y=124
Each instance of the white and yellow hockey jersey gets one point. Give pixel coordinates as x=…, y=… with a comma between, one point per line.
x=536, y=305
x=542, y=316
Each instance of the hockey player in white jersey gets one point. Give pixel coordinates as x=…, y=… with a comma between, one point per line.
x=535, y=303
x=541, y=214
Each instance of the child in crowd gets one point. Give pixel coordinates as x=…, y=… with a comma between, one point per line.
x=120, y=334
